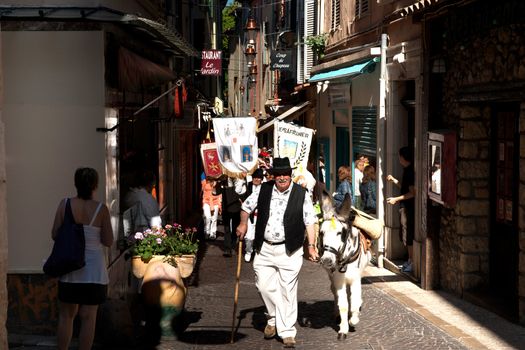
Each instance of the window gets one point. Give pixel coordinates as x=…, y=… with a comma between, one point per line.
x=306, y=28
x=361, y=8
x=336, y=15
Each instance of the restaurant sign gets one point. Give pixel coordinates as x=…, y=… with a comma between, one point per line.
x=281, y=60
x=211, y=62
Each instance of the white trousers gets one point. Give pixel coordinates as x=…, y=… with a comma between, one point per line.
x=250, y=235
x=210, y=220
x=276, y=278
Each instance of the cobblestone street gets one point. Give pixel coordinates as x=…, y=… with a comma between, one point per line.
x=396, y=314
x=385, y=323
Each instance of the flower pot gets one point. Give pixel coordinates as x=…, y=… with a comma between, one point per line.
x=138, y=266
x=186, y=263
x=164, y=295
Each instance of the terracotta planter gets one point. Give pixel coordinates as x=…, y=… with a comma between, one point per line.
x=138, y=266
x=186, y=263
x=164, y=295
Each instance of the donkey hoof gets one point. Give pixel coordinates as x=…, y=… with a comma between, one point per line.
x=341, y=336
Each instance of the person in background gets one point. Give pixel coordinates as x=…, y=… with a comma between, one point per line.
x=231, y=189
x=284, y=211
x=268, y=176
x=407, y=205
x=368, y=189
x=344, y=174
x=211, y=206
x=358, y=176
x=322, y=173
x=253, y=187
x=140, y=196
x=82, y=291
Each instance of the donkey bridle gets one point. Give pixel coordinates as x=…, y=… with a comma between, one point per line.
x=342, y=263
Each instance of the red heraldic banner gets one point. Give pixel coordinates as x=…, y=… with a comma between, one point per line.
x=210, y=160
x=211, y=62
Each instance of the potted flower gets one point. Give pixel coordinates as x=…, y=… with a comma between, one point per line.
x=171, y=243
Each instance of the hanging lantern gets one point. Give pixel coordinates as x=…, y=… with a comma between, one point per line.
x=250, y=50
x=251, y=24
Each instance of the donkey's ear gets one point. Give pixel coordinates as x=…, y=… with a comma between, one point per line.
x=327, y=204
x=345, y=211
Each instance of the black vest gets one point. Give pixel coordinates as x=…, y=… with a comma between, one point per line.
x=293, y=217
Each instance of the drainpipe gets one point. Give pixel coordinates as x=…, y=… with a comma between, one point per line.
x=381, y=124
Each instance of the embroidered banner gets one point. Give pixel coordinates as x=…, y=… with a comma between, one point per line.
x=210, y=160
x=293, y=142
x=236, y=144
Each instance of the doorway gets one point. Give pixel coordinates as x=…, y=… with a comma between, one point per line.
x=504, y=235
x=342, y=151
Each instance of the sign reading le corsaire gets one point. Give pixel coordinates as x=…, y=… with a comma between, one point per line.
x=211, y=62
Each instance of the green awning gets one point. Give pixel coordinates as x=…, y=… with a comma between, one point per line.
x=347, y=72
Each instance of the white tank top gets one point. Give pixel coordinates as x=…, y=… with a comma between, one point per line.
x=95, y=270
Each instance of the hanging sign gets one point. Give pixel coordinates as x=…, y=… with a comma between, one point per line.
x=211, y=62
x=281, y=60
x=236, y=144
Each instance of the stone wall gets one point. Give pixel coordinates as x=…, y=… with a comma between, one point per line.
x=521, y=218
x=479, y=71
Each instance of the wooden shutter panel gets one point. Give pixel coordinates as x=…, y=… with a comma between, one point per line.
x=361, y=7
x=300, y=42
x=364, y=130
x=336, y=14
x=309, y=29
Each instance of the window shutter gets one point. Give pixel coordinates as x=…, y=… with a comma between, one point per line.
x=309, y=29
x=300, y=41
x=361, y=8
x=336, y=14
x=364, y=130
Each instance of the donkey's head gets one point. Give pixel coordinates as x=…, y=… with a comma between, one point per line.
x=335, y=229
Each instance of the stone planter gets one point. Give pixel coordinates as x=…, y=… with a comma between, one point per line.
x=186, y=263
x=164, y=296
x=138, y=266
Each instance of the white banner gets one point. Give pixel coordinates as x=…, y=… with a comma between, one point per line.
x=236, y=144
x=293, y=142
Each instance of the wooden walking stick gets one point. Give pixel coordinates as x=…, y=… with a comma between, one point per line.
x=236, y=293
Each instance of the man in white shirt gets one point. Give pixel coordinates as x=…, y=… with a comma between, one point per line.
x=140, y=199
x=253, y=186
x=284, y=211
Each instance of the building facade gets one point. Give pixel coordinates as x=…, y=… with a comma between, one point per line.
x=94, y=86
x=450, y=87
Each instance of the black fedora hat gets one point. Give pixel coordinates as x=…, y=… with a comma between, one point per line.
x=281, y=166
x=258, y=173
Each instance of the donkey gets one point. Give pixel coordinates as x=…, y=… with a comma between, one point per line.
x=344, y=254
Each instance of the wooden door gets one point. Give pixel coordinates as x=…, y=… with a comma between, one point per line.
x=504, y=243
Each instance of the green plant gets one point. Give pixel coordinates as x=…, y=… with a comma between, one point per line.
x=169, y=240
x=317, y=43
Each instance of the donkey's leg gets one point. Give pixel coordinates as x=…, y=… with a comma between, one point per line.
x=355, y=300
x=334, y=293
x=342, y=303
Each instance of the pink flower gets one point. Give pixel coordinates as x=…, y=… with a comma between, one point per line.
x=139, y=235
x=159, y=240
